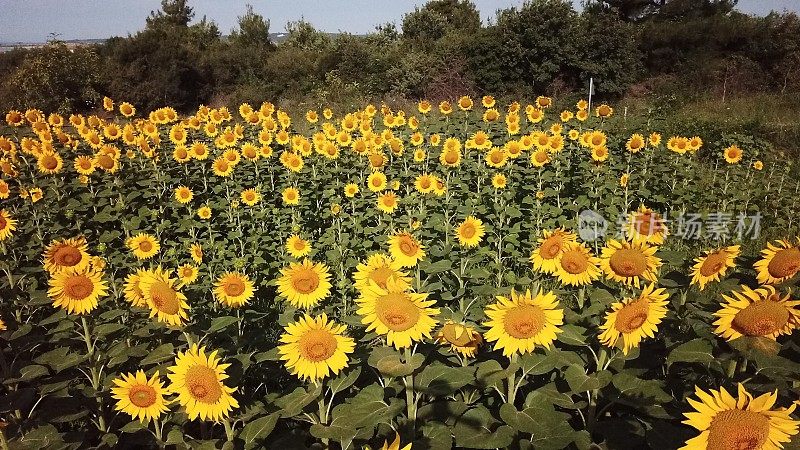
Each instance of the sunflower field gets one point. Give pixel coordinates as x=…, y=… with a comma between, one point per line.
x=462, y=275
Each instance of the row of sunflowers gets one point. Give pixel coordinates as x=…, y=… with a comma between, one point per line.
x=405, y=279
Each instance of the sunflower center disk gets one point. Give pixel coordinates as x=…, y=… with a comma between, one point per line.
x=631, y=317
x=407, y=247
x=648, y=224
x=305, y=281
x=397, y=311
x=738, y=430
x=49, y=162
x=761, y=318
x=145, y=246
x=574, y=262
x=203, y=384
x=317, y=345
x=785, y=263
x=468, y=230
x=142, y=395
x=3, y=223
x=78, y=287
x=551, y=247
x=449, y=333
x=524, y=321
x=67, y=256
x=628, y=262
x=164, y=298
x=713, y=263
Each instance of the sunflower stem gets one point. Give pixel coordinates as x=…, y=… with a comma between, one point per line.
x=511, y=392
x=228, y=430
x=411, y=404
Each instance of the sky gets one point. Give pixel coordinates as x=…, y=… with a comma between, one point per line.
x=33, y=21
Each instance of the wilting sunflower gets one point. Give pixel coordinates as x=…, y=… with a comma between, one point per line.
x=629, y=262
x=161, y=293
x=297, y=246
x=470, y=232
x=196, y=252
x=646, y=225
x=551, y=245
x=183, y=195
x=233, y=289
x=461, y=338
x=779, y=262
x=7, y=225
x=714, y=265
x=250, y=197
x=198, y=381
x=304, y=284
x=726, y=422
x=520, y=323
x=406, y=249
x=402, y=316
x=379, y=268
x=143, y=246
x=577, y=266
x=388, y=202
x=66, y=253
x=140, y=397
x=633, y=319
x=291, y=196
x=757, y=312
x=77, y=291
x=733, y=154
x=188, y=274
x=314, y=347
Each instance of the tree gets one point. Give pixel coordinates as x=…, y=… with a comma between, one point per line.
x=173, y=13
x=440, y=17
x=253, y=30
x=634, y=10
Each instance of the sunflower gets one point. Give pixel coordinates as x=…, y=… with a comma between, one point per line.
x=198, y=381
x=758, y=165
x=600, y=154
x=376, y=181
x=196, y=252
x=388, y=202
x=297, y=246
x=139, y=396
x=291, y=196
x=539, y=158
x=126, y=109
x=406, y=249
x=395, y=445
x=470, y=232
x=623, y=179
x=304, y=284
x=779, y=262
x=143, y=246
x=161, y=293
x=84, y=165
x=757, y=312
x=633, y=319
x=65, y=253
x=461, y=338
x=188, y=274
x=552, y=245
x=499, y=181
x=647, y=226
x=77, y=290
x=745, y=422
x=577, y=266
x=50, y=163
x=222, y=167
x=732, y=154
x=378, y=269
x=5, y=190
x=629, y=262
x=250, y=197
x=519, y=323
x=314, y=347
x=204, y=212
x=635, y=143
x=132, y=291
x=714, y=265
x=496, y=157
x=233, y=289
x=402, y=316
x=183, y=195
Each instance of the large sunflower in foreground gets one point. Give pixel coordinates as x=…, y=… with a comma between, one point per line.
x=633, y=319
x=727, y=423
x=77, y=290
x=577, y=266
x=161, y=293
x=551, y=245
x=714, y=265
x=757, y=312
x=7, y=225
x=143, y=246
x=646, y=225
x=519, y=323
x=140, y=397
x=233, y=289
x=314, y=347
x=198, y=381
x=403, y=317
x=406, y=249
x=778, y=263
x=629, y=262
x=379, y=268
x=470, y=232
x=461, y=338
x=65, y=253
x=305, y=283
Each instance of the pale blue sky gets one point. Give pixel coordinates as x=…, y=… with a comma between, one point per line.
x=34, y=20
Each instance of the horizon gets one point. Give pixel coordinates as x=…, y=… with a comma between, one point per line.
x=120, y=18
